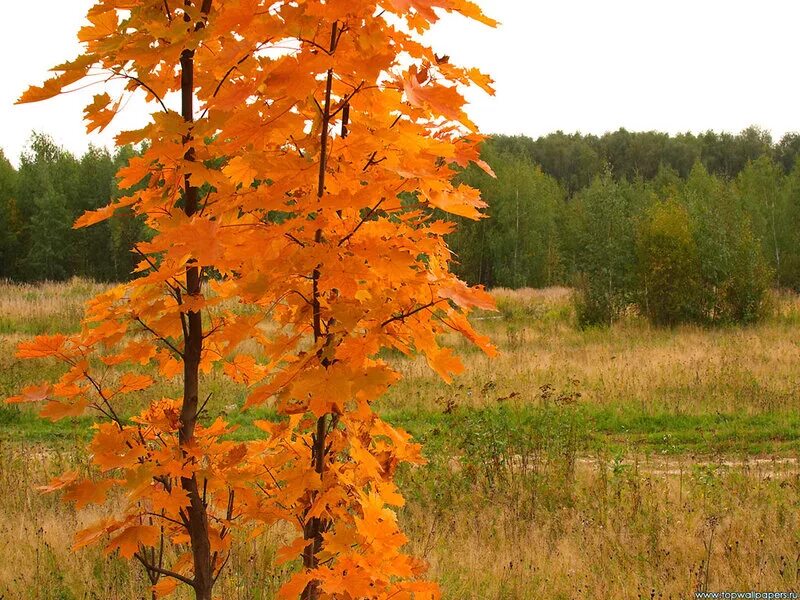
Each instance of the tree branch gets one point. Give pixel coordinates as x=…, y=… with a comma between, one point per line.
x=161, y=571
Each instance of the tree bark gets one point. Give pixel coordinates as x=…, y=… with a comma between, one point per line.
x=315, y=527
x=197, y=515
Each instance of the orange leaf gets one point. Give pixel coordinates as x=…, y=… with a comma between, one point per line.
x=102, y=25
x=467, y=297
x=239, y=171
x=130, y=382
x=131, y=538
x=445, y=363
x=72, y=71
x=32, y=393
x=56, y=410
x=88, y=492
x=165, y=587
x=291, y=552
x=42, y=346
x=98, y=112
x=292, y=589
x=60, y=482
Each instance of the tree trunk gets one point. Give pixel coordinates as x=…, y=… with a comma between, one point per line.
x=315, y=527
x=197, y=515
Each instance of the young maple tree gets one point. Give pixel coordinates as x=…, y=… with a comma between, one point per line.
x=300, y=177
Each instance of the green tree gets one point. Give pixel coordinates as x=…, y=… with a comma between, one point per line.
x=518, y=246
x=10, y=221
x=94, y=188
x=759, y=187
x=46, y=189
x=735, y=275
x=603, y=244
x=789, y=274
x=668, y=265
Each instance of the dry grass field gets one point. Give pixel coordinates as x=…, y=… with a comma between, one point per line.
x=621, y=463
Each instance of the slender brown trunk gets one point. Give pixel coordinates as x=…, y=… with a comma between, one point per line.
x=315, y=527
x=196, y=514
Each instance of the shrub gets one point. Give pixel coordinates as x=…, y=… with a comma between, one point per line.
x=668, y=265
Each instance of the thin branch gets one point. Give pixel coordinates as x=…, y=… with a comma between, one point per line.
x=202, y=408
x=166, y=518
x=99, y=390
x=295, y=240
x=364, y=219
x=159, y=337
x=222, y=567
x=161, y=571
x=372, y=161
x=405, y=316
x=141, y=83
x=230, y=71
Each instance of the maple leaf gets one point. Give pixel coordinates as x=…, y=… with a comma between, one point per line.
x=131, y=538
x=103, y=24
x=291, y=551
x=56, y=410
x=32, y=393
x=240, y=171
x=42, y=346
x=445, y=363
x=243, y=369
x=293, y=588
x=88, y=492
x=131, y=382
x=467, y=297
x=165, y=587
x=98, y=112
x=90, y=535
x=60, y=482
x=71, y=72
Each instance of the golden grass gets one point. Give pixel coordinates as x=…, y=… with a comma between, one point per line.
x=565, y=526
x=599, y=532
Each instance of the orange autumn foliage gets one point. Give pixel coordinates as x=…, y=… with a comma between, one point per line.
x=310, y=182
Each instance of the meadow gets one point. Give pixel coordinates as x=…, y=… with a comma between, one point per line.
x=626, y=462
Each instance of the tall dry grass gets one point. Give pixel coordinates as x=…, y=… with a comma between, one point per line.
x=499, y=514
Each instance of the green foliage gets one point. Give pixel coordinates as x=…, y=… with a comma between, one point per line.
x=789, y=223
x=759, y=189
x=603, y=246
x=706, y=254
x=605, y=214
x=40, y=201
x=518, y=245
x=735, y=275
x=668, y=265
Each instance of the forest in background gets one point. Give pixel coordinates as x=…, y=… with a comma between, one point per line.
x=688, y=228
x=681, y=228
x=40, y=201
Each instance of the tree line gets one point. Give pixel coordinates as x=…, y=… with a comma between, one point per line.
x=41, y=199
x=683, y=228
x=687, y=228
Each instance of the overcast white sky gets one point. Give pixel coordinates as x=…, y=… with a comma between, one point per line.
x=575, y=65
